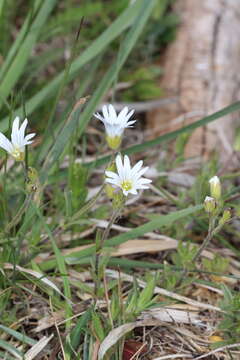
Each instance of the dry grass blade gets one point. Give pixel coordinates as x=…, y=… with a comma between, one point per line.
x=37, y=348
x=119, y=332
x=37, y=275
x=174, y=356
x=174, y=315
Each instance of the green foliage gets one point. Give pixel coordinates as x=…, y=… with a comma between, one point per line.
x=169, y=278
x=144, y=84
x=139, y=300
x=78, y=176
x=230, y=324
x=217, y=264
x=184, y=255
x=43, y=203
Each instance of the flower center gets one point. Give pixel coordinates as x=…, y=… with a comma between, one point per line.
x=18, y=154
x=127, y=185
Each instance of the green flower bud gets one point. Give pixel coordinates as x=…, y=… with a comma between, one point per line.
x=215, y=187
x=209, y=204
x=109, y=189
x=225, y=217
x=118, y=200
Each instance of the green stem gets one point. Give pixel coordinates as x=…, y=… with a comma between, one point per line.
x=206, y=241
x=99, y=248
x=19, y=214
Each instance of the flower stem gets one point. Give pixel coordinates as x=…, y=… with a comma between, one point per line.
x=100, y=246
x=211, y=232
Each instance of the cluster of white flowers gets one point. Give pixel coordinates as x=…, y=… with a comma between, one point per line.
x=128, y=179
x=16, y=147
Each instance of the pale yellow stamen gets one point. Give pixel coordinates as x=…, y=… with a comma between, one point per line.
x=18, y=154
x=127, y=185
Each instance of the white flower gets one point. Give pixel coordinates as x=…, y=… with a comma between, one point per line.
x=16, y=147
x=115, y=124
x=129, y=180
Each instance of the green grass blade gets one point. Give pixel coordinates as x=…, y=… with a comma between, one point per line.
x=127, y=45
x=157, y=223
x=11, y=349
x=21, y=337
x=1, y=6
x=171, y=135
x=17, y=43
x=60, y=261
x=62, y=140
x=112, y=32
x=20, y=59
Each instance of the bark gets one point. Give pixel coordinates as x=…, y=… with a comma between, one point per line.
x=202, y=69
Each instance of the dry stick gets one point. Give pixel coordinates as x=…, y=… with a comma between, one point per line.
x=99, y=249
x=217, y=350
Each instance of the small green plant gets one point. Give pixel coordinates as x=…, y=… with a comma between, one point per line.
x=218, y=264
x=230, y=324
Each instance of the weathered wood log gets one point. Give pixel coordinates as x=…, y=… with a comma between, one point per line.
x=202, y=67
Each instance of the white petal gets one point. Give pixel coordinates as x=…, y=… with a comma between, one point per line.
x=125, y=192
x=122, y=114
x=15, y=132
x=29, y=137
x=119, y=165
x=143, y=181
x=22, y=130
x=113, y=182
x=98, y=116
x=112, y=114
x=105, y=112
x=5, y=143
x=136, y=167
x=142, y=187
x=141, y=172
x=130, y=114
x=133, y=191
x=113, y=130
x=111, y=174
x=127, y=167
x=130, y=123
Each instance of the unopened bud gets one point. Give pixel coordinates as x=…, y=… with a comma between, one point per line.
x=32, y=181
x=109, y=189
x=215, y=187
x=118, y=200
x=209, y=204
x=225, y=217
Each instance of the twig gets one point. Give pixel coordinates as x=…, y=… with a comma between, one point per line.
x=144, y=105
x=217, y=350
